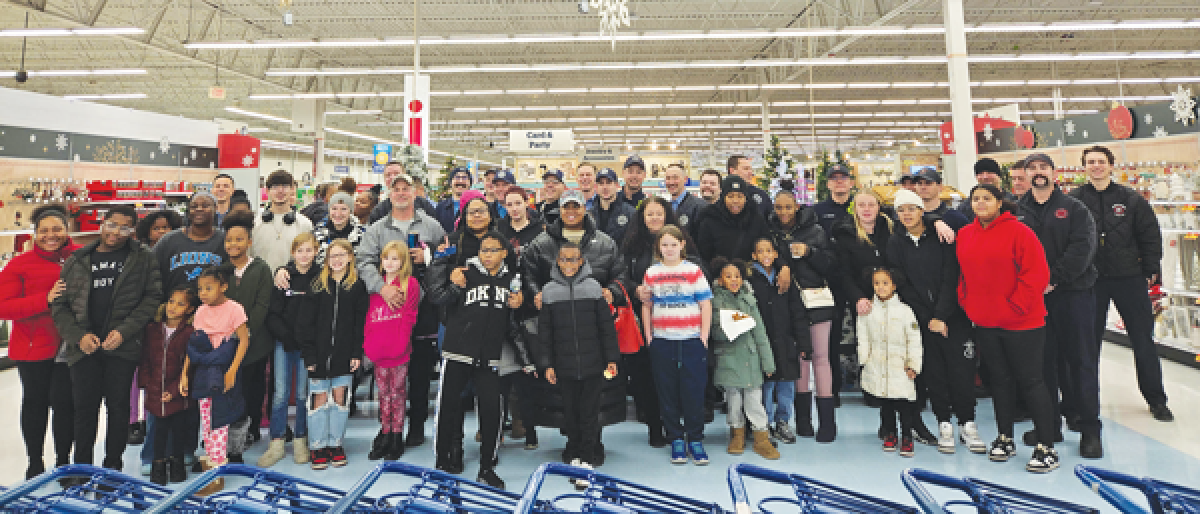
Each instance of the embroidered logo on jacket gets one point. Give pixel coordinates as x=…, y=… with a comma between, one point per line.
x=1060, y=214
x=1118, y=209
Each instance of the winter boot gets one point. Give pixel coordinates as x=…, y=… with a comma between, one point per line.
x=804, y=426
x=827, y=417
x=737, y=441
x=176, y=471
x=300, y=450
x=212, y=487
x=395, y=446
x=274, y=454
x=763, y=446
x=158, y=472
x=379, y=447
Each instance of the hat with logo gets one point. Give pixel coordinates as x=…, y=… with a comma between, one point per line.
x=505, y=175
x=571, y=196
x=837, y=169
x=635, y=160
x=606, y=173
x=557, y=174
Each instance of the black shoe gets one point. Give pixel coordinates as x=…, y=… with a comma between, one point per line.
x=69, y=482
x=395, y=447
x=235, y=458
x=158, y=472
x=137, y=433
x=1003, y=449
x=657, y=438
x=113, y=463
x=35, y=468
x=1030, y=438
x=709, y=415
x=416, y=435
x=921, y=433
x=176, y=471
x=379, y=447
x=598, y=455
x=197, y=467
x=1161, y=412
x=487, y=476
x=1044, y=460
x=1073, y=424
x=254, y=435
x=531, y=438
x=1090, y=446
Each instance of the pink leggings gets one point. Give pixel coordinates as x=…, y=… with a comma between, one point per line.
x=819, y=362
x=393, y=392
x=215, y=441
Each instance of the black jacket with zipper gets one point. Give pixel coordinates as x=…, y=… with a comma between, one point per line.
x=722, y=233
x=330, y=329
x=601, y=252
x=477, y=316
x=576, y=335
x=287, y=306
x=616, y=220
x=814, y=268
x=929, y=285
x=1129, y=239
x=1067, y=231
x=786, y=321
x=856, y=256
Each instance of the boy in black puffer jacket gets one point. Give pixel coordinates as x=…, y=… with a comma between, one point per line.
x=577, y=349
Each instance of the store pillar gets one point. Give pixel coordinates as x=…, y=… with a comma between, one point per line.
x=960, y=97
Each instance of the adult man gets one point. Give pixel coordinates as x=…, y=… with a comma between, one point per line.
x=552, y=190
x=685, y=204
x=279, y=223
x=1068, y=235
x=447, y=208
x=929, y=188
x=1129, y=250
x=222, y=189
x=710, y=186
x=404, y=219
x=635, y=174
x=390, y=172
x=1020, y=178
x=585, y=177
x=489, y=187
x=741, y=166
x=987, y=171
x=318, y=209
x=831, y=211
x=112, y=291
x=611, y=215
x=502, y=182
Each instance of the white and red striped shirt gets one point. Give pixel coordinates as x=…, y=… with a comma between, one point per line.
x=678, y=291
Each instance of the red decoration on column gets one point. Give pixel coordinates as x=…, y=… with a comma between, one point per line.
x=414, y=130
x=237, y=151
x=1120, y=122
x=415, y=106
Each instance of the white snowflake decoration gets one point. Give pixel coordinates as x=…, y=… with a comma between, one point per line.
x=164, y=144
x=1069, y=127
x=193, y=154
x=987, y=131
x=613, y=15
x=152, y=156
x=1160, y=132
x=60, y=142
x=1149, y=119
x=33, y=138
x=1183, y=105
x=248, y=160
x=1085, y=134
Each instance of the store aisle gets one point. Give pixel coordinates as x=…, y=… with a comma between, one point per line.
x=1134, y=443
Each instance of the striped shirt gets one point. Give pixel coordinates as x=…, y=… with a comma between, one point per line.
x=678, y=291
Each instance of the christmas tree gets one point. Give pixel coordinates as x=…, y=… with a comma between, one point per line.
x=443, y=183
x=823, y=172
x=413, y=158
x=774, y=155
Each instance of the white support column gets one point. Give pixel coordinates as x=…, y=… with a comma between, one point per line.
x=960, y=96
x=319, y=143
x=766, y=125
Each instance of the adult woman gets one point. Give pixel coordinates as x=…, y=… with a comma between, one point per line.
x=1004, y=275
x=27, y=286
x=861, y=242
x=339, y=224
x=364, y=202
x=729, y=227
x=803, y=246
x=156, y=225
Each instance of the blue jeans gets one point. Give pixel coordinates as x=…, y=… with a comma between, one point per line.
x=680, y=374
x=286, y=365
x=327, y=423
x=147, y=453
x=779, y=398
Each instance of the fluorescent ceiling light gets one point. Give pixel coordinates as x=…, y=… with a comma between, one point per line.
x=362, y=111
x=110, y=96
x=82, y=31
x=75, y=73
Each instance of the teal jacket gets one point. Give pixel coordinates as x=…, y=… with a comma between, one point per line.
x=741, y=363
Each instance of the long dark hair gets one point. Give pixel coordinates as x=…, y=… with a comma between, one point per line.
x=638, y=237
x=1006, y=205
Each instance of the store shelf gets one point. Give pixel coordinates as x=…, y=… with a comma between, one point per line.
x=120, y=202
x=1170, y=203
x=1177, y=292
x=1176, y=350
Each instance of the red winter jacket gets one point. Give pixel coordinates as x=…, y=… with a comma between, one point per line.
x=162, y=367
x=1004, y=274
x=24, y=284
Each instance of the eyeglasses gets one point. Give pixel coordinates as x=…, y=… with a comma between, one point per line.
x=491, y=250
x=570, y=260
x=123, y=230
x=476, y=212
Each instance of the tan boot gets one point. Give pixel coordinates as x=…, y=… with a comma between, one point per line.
x=213, y=487
x=300, y=450
x=275, y=452
x=737, y=441
x=763, y=446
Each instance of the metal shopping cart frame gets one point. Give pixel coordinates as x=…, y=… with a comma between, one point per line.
x=436, y=491
x=1163, y=497
x=810, y=495
x=268, y=491
x=105, y=490
x=986, y=497
x=608, y=495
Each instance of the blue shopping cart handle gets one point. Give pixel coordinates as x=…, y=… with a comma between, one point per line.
x=192, y=486
x=529, y=498
x=35, y=483
x=1097, y=480
x=356, y=493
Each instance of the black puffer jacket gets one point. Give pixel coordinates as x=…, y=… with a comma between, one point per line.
x=1130, y=241
x=856, y=256
x=721, y=233
x=930, y=282
x=539, y=256
x=786, y=322
x=812, y=269
x=330, y=329
x=286, y=306
x=1068, y=234
x=576, y=335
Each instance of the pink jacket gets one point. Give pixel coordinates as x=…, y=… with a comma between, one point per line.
x=387, y=337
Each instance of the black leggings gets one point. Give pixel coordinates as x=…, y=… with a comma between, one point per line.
x=1014, y=361
x=97, y=378
x=172, y=428
x=46, y=385
x=254, y=390
x=888, y=410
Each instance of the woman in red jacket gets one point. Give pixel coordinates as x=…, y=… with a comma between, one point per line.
x=1004, y=275
x=27, y=286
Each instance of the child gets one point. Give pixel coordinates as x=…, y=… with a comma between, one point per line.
x=478, y=302
x=743, y=355
x=786, y=322
x=676, y=321
x=250, y=286
x=214, y=364
x=578, y=349
x=889, y=346
x=330, y=333
x=163, y=351
x=287, y=366
x=387, y=342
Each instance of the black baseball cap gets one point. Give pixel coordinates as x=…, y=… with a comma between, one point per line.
x=930, y=174
x=635, y=160
x=906, y=178
x=504, y=175
x=557, y=174
x=837, y=169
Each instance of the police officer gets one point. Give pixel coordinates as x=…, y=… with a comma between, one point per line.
x=741, y=166
x=830, y=212
x=612, y=216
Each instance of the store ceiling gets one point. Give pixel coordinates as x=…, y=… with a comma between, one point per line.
x=650, y=104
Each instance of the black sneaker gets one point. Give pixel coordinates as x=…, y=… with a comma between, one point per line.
x=1161, y=412
x=337, y=456
x=771, y=433
x=1044, y=460
x=531, y=438
x=921, y=434
x=1003, y=448
x=1030, y=438
x=416, y=436
x=784, y=432
x=487, y=476
x=658, y=439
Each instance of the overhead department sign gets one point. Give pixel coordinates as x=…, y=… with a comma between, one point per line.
x=541, y=141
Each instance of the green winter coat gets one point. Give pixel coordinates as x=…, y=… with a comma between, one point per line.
x=742, y=362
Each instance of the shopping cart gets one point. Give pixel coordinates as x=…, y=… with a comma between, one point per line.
x=605, y=494
x=106, y=490
x=428, y=491
x=986, y=497
x=1162, y=497
x=267, y=491
x=808, y=495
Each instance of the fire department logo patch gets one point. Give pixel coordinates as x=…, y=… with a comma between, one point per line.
x=1060, y=214
x=1118, y=209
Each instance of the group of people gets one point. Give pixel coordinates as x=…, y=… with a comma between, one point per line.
x=553, y=313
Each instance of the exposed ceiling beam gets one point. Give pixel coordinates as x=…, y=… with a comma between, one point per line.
x=96, y=10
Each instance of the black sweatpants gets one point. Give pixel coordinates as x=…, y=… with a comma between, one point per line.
x=170, y=429
x=448, y=432
x=948, y=372
x=1014, y=362
x=95, y=378
x=519, y=388
x=581, y=415
x=1133, y=303
x=46, y=385
x=1072, y=358
x=254, y=391
x=906, y=409
x=420, y=372
x=638, y=368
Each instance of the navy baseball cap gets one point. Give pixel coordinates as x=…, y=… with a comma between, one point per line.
x=607, y=173
x=905, y=178
x=929, y=174
x=635, y=160
x=462, y=171
x=837, y=169
x=505, y=175
x=557, y=174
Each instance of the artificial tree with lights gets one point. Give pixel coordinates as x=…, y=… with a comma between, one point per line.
x=443, y=183
x=823, y=172
x=774, y=155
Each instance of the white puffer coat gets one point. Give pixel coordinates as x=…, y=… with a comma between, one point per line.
x=889, y=341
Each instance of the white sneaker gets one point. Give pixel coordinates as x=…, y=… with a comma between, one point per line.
x=969, y=434
x=945, y=442
x=581, y=484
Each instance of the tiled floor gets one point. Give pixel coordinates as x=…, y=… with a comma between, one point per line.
x=1134, y=443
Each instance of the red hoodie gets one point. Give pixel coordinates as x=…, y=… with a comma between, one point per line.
x=24, y=284
x=1004, y=274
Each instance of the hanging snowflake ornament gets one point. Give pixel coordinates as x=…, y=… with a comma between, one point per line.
x=164, y=144
x=1069, y=127
x=1149, y=118
x=987, y=131
x=1160, y=132
x=613, y=15
x=60, y=142
x=247, y=160
x=1183, y=105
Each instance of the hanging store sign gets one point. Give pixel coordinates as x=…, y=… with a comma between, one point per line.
x=601, y=154
x=383, y=154
x=541, y=141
